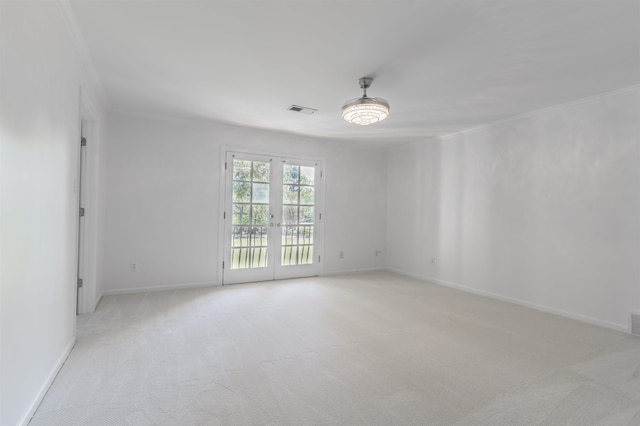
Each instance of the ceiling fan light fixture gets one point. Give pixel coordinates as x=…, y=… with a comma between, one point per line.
x=365, y=110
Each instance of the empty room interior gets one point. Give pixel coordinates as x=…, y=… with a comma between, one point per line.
x=320, y=213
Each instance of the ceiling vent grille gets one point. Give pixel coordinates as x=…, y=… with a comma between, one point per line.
x=302, y=110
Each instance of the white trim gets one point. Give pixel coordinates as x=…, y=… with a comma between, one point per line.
x=222, y=205
x=321, y=161
x=169, y=287
x=422, y=141
x=90, y=188
x=47, y=384
x=571, y=315
x=123, y=112
x=540, y=111
x=354, y=271
x=267, y=153
x=570, y=104
x=305, y=137
x=81, y=47
x=187, y=286
x=98, y=300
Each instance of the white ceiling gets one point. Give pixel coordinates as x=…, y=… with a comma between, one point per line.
x=443, y=65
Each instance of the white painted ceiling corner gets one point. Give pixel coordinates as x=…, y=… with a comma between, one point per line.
x=78, y=38
x=443, y=65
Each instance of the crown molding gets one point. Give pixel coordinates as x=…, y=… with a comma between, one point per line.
x=564, y=105
x=81, y=47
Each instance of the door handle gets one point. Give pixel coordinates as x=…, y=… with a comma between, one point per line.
x=278, y=225
x=271, y=224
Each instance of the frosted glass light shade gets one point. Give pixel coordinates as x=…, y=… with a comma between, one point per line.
x=365, y=111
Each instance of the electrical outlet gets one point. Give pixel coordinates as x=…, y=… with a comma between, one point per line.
x=434, y=261
x=377, y=252
x=133, y=267
x=341, y=254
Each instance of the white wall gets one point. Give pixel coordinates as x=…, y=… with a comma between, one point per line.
x=543, y=209
x=163, y=199
x=39, y=116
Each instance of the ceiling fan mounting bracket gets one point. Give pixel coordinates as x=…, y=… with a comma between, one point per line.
x=365, y=82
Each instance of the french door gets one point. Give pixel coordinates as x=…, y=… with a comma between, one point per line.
x=272, y=218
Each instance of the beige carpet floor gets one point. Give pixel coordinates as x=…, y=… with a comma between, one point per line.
x=366, y=349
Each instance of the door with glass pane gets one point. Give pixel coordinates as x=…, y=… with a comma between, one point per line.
x=272, y=218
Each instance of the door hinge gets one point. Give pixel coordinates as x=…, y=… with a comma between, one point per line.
x=224, y=215
x=81, y=211
x=83, y=141
x=320, y=216
x=225, y=165
x=318, y=259
x=79, y=282
x=320, y=174
x=223, y=264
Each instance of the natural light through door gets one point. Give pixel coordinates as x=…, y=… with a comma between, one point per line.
x=298, y=202
x=250, y=211
x=272, y=218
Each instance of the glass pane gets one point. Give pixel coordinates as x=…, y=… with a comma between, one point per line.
x=307, y=175
x=261, y=171
x=290, y=194
x=236, y=232
x=241, y=192
x=241, y=170
x=245, y=238
x=305, y=255
x=290, y=173
x=290, y=215
x=289, y=235
x=306, y=215
x=305, y=234
x=239, y=258
x=240, y=214
x=289, y=256
x=259, y=257
x=307, y=195
x=260, y=214
x=258, y=236
x=260, y=193
x=250, y=214
x=242, y=258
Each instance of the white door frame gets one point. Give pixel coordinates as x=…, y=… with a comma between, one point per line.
x=320, y=197
x=90, y=121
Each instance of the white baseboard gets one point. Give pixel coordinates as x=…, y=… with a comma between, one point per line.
x=158, y=288
x=634, y=326
x=542, y=308
x=352, y=271
x=133, y=290
x=97, y=302
x=47, y=384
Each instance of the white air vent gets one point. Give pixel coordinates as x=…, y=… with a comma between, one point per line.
x=635, y=324
x=302, y=110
